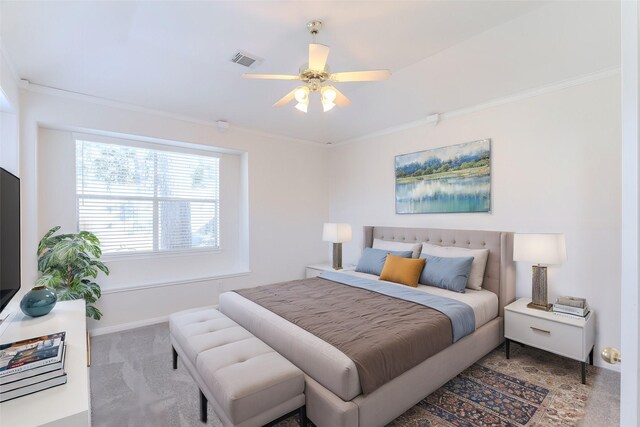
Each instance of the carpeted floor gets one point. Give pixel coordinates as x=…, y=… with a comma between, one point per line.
x=132, y=384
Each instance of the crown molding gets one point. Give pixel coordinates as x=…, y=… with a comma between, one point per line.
x=77, y=96
x=542, y=90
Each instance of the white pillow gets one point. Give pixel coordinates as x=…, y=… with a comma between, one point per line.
x=476, y=275
x=398, y=246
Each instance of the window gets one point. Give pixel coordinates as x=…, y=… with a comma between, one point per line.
x=138, y=199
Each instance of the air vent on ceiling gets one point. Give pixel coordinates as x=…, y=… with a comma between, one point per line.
x=246, y=59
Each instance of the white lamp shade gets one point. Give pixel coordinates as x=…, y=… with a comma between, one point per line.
x=327, y=105
x=302, y=95
x=336, y=233
x=302, y=106
x=544, y=249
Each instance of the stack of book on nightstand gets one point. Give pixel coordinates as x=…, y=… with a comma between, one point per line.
x=571, y=305
x=32, y=365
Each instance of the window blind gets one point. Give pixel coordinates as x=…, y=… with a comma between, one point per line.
x=147, y=200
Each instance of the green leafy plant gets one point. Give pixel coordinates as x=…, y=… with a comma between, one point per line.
x=69, y=263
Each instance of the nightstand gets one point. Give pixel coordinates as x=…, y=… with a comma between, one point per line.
x=315, y=269
x=562, y=334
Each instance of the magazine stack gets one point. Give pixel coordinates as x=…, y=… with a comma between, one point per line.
x=571, y=305
x=32, y=365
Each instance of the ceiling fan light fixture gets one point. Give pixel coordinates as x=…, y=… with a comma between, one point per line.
x=302, y=95
x=328, y=94
x=302, y=106
x=327, y=105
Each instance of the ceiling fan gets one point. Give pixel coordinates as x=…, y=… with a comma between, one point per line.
x=317, y=77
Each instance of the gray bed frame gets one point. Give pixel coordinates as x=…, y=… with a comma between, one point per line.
x=392, y=399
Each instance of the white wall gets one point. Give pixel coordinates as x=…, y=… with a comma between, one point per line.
x=9, y=113
x=555, y=168
x=288, y=200
x=9, y=147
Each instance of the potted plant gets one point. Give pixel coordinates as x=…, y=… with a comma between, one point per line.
x=69, y=263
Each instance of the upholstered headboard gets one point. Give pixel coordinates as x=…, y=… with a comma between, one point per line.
x=499, y=274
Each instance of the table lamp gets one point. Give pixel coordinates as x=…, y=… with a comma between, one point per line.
x=540, y=250
x=337, y=234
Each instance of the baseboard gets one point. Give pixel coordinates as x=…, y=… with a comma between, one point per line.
x=131, y=325
x=126, y=326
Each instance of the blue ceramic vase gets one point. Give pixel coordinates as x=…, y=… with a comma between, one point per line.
x=38, y=301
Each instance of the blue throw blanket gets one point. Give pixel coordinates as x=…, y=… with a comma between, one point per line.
x=463, y=320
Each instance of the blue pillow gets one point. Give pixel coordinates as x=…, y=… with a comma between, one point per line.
x=446, y=273
x=372, y=260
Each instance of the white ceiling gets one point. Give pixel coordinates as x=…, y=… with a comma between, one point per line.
x=175, y=56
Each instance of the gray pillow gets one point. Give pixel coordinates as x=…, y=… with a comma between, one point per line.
x=398, y=246
x=372, y=260
x=446, y=273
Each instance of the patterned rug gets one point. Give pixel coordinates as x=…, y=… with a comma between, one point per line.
x=486, y=397
x=533, y=388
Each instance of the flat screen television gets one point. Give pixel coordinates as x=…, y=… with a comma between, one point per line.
x=9, y=237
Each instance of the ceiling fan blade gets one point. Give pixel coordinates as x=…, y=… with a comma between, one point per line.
x=341, y=100
x=271, y=76
x=361, y=76
x=318, y=54
x=286, y=99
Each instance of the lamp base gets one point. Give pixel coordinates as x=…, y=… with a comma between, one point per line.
x=539, y=287
x=546, y=307
x=337, y=256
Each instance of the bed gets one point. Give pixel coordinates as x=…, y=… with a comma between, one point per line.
x=333, y=390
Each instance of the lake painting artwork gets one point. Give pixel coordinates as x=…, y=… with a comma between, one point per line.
x=445, y=180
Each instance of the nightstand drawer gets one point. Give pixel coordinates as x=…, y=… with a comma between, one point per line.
x=560, y=338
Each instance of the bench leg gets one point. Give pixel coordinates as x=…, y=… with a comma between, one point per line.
x=302, y=412
x=203, y=407
x=175, y=358
x=303, y=416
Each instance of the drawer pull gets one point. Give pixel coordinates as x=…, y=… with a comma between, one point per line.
x=540, y=330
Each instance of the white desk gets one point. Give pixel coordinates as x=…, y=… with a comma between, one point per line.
x=67, y=405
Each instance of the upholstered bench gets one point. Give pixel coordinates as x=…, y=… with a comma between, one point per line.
x=246, y=381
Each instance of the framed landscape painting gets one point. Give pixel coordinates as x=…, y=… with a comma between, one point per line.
x=445, y=180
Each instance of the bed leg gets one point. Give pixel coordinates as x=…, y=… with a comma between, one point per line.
x=175, y=358
x=203, y=407
x=303, y=416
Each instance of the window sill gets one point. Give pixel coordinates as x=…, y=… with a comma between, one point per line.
x=129, y=288
x=154, y=255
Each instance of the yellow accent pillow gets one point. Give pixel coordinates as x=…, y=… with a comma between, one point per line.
x=405, y=271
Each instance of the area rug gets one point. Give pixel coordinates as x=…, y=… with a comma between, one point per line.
x=486, y=397
x=533, y=388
